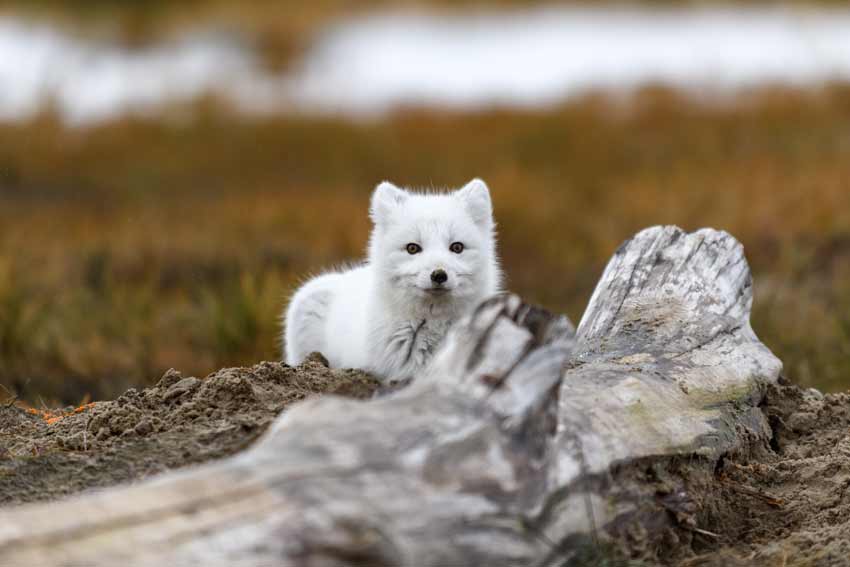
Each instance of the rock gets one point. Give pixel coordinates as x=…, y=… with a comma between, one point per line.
x=168, y=379
x=181, y=388
x=143, y=427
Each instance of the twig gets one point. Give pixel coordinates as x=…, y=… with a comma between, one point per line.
x=705, y=533
x=763, y=496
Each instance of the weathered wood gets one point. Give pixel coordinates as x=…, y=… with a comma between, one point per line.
x=493, y=457
x=666, y=364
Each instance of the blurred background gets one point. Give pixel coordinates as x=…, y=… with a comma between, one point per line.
x=169, y=171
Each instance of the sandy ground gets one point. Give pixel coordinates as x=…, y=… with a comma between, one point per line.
x=783, y=503
x=788, y=503
x=180, y=421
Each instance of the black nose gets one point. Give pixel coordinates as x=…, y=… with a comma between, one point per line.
x=439, y=276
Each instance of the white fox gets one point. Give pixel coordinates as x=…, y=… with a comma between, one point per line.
x=432, y=258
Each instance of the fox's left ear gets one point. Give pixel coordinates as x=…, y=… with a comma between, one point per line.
x=476, y=198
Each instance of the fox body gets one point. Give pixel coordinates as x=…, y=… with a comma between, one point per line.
x=431, y=259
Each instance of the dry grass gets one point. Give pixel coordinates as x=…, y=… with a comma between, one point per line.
x=135, y=246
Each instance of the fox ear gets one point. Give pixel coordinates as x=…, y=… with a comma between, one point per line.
x=386, y=198
x=476, y=198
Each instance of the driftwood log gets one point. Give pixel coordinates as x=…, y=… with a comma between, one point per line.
x=500, y=454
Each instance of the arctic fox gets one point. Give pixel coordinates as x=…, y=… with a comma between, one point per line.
x=431, y=258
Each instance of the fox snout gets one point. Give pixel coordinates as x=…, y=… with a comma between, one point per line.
x=439, y=277
x=438, y=282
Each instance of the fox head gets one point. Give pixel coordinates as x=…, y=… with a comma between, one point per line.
x=435, y=248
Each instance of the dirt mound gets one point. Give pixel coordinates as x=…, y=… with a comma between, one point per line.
x=787, y=503
x=180, y=421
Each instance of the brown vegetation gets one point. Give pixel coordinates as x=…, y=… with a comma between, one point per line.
x=139, y=245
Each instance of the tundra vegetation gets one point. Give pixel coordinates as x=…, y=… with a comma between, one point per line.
x=142, y=244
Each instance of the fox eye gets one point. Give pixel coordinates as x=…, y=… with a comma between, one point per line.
x=413, y=248
x=456, y=247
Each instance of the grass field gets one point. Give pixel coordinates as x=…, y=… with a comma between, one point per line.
x=135, y=246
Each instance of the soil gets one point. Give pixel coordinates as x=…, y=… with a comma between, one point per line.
x=180, y=421
x=783, y=503
x=786, y=503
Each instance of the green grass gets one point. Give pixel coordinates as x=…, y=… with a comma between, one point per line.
x=138, y=245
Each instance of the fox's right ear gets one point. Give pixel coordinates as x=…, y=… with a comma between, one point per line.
x=386, y=198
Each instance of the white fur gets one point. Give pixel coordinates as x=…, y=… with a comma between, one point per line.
x=381, y=316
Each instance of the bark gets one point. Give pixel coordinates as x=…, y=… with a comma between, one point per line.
x=501, y=453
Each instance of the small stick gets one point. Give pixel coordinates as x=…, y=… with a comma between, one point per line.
x=767, y=498
x=706, y=533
